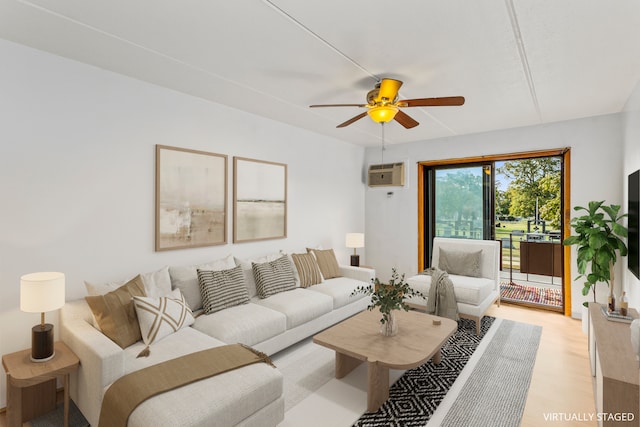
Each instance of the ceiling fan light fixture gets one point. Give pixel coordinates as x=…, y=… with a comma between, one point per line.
x=382, y=113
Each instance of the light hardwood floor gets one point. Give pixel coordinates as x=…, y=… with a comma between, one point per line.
x=561, y=384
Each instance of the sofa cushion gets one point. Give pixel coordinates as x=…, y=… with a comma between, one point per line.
x=307, y=268
x=459, y=262
x=159, y=317
x=273, y=277
x=327, y=262
x=222, y=289
x=156, y=284
x=247, y=324
x=468, y=290
x=115, y=312
x=339, y=289
x=185, y=277
x=224, y=399
x=299, y=305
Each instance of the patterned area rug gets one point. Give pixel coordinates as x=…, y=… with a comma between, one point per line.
x=531, y=294
x=416, y=395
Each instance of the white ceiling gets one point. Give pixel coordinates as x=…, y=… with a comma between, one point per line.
x=517, y=62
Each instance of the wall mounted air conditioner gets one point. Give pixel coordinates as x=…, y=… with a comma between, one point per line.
x=386, y=175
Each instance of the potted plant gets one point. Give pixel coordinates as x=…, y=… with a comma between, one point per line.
x=388, y=298
x=598, y=238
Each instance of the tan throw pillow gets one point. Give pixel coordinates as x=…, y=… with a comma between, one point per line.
x=327, y=262
x=116, y=314
x=460, y=263
x=159, y=317
x=307, y=269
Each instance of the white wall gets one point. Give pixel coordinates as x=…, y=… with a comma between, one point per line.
x=392, y=223
x=77, y=147
x=631, y=135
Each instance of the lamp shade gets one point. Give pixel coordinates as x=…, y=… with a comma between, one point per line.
x=41, y=292
x=355, y=240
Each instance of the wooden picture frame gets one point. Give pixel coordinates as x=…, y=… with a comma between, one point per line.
x=259, y=200
x=191, y=198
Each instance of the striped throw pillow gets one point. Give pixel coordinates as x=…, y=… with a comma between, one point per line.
x=307, y=269
x=273, y=277
x=327, y=262
x=222, y=289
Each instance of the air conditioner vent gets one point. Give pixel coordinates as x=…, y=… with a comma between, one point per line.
x=386, y=175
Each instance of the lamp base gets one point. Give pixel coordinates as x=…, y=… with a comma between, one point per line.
x=355, y=260
x=42, y=343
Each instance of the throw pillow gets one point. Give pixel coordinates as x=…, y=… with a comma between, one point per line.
x=156, y=284
x=273, y=277
x=460, y=262
x=327, y=262
x=247, y=270
x=307, y=269
x=159, y=317
x=222, y=289
x=186, y=279
x=116, y=314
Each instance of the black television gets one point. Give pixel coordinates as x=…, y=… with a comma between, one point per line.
x=633, y=240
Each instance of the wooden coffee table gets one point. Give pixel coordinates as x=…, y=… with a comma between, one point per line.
x=358, y=340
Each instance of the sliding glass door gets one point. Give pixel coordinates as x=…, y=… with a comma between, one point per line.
x=460, y=202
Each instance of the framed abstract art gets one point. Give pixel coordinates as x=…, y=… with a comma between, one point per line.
x=259, y=200
x=191, y=198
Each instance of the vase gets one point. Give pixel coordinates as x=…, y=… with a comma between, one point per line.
x=390, y=327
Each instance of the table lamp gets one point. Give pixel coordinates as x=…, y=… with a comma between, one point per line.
x=41, y=292
x=355, y=240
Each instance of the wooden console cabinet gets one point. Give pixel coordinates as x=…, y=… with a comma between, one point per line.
x=614, y=367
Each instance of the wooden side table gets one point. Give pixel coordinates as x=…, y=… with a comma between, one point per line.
x=23, y=373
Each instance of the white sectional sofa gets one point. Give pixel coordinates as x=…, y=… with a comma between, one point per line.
x=248, y=396
x=477, y=288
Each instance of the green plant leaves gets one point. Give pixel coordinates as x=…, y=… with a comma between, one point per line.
x=597, y=239
x=390, y=296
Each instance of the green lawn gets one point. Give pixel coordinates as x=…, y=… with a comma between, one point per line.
x=503, y=232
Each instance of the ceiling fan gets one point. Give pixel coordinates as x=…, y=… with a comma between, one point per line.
x=383, y=104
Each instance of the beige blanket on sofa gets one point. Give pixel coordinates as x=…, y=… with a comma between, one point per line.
x=126, y=393
x=441, y=299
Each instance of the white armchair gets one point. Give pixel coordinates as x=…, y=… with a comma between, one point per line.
x=479, y=284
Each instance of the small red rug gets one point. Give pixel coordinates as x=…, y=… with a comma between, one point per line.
x=531, y=294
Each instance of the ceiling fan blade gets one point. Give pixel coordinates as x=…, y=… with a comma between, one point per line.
x=351, y=120
x=404, y=119
x=432, y=102
x=338, y=105
x=388, y=90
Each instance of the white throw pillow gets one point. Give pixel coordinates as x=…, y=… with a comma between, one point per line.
x=156, y=284
x=159, y=317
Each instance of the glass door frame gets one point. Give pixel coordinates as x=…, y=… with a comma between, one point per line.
x=563, y=153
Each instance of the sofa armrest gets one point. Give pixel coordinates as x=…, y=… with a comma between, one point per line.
x=359, y=273
x=101, y=360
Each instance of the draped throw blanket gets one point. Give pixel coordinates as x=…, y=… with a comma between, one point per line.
x=126, y=393
x=442, y=300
